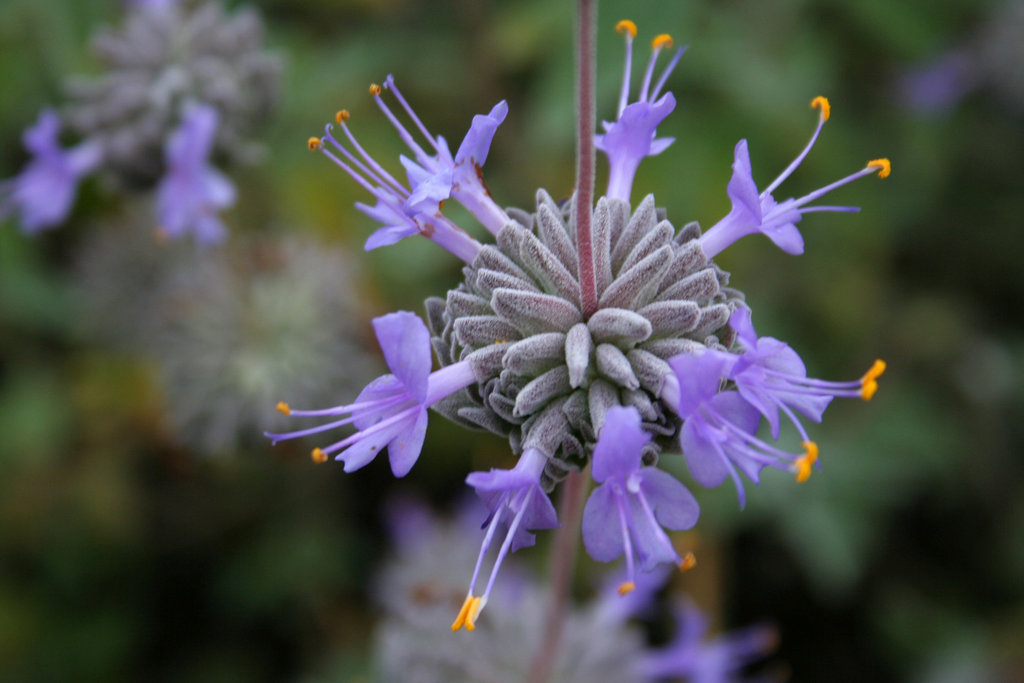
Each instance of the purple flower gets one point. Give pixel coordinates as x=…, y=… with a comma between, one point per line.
x=517, y=504
x=630, y=137
x=770, y=376
x=626, y=513
x=759, y=212
x=192, y=191
x=717, y=436
x=405, y=210
x=392, y=410
x=43, y=193
x=698, y=660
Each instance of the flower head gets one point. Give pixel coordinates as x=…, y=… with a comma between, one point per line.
x=626, y=513
x=193, y=191
x=43, y=193
x=631, y=137
x=163, y=57
x=392, y=410
x=517, y=504
x=754, y=211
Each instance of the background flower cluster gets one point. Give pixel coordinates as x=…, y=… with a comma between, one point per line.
x=131, y=551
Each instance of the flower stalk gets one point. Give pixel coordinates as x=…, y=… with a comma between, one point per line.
x=586, y=106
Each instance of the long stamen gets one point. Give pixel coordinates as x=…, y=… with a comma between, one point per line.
x=660, y=41
x=823, y=105
x=667, y=72
x=403, y=133
x=658, y=531
x=629, y=29
x=629, y=585
x=389, y=83
x=386, y=423
x=342, y=117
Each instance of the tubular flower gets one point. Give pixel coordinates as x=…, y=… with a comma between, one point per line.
x=44, y=192
x=717, y=436
x=432, y=178
x=625, y=514
x=770, y=376
x=754, y=212
x=517, y=504
x=630, y=137
x=392, y=410
x=190, y=194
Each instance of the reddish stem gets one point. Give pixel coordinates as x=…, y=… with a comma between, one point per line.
x=586, y=107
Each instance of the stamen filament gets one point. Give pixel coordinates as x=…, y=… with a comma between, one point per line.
x=629, y=28
x=667, y=72
x=822, y=118
x=389, y=83
x=403, y=133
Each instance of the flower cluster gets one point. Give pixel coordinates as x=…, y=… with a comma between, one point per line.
x=180, y=86
x=669, y=360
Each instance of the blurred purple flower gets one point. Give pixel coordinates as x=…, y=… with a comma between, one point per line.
x=192, y=191
x=697, y=660
x=44, y=192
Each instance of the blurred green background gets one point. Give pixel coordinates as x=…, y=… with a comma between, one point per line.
x=127, y=554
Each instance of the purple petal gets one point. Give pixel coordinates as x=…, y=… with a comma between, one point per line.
x=742, y=191
x=41, y=137
x=404, y=449
x=620, y=444
x=702, y=448
x=673, y=505
x=366, y=448
x=602, y=530
x=649, y=543
x=740, y=321
x=477, y=143
x=405, y=343
x=700, y=377
x=631, y=137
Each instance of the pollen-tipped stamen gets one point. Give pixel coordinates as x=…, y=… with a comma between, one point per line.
x=825, y=110
x=283, y=408
x=869, y=382
x=688, y=562
x=626, y=587
x=313, y=144
x=883, y=165
x=802, y=465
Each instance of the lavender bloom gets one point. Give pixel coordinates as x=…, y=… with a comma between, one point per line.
x=770, y=376
x=759, y=212
x=192, y=191
x=630, y=137
x=43, y=193
x=392, y=410
x=718, y=430
x=625, y=514
x=517, y=504
x=432, y=178
x=698, y=660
